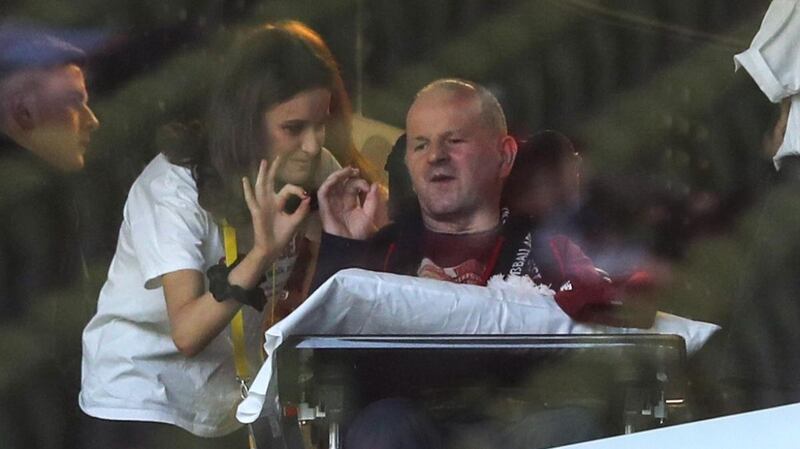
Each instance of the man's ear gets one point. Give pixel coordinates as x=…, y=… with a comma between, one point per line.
x=508, y=152
x=22, y=110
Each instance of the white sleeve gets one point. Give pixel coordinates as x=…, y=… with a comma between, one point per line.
x=772, y=59
x=168, y=229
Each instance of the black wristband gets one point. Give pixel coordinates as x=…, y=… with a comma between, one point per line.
x=222, y=290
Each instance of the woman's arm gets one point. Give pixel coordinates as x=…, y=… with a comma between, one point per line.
x=195, y=316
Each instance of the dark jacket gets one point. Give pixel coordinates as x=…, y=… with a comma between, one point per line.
x=39, y=248
x=582, y=290
x=762, y=354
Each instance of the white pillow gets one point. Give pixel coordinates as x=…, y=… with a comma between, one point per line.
x=357, y=302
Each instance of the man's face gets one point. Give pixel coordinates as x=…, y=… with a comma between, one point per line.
x=295, y=130
x=453, y=157
x=61, y=120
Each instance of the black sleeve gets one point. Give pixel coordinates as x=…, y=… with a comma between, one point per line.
x=337, y=253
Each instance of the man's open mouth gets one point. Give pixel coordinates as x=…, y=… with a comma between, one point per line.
x=441, y=178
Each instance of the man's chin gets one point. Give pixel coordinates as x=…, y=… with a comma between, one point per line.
x=72, y=165
x=440, y=212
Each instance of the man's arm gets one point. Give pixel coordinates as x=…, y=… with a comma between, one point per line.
x=348, y=223
x=337, y=253
x=586, y=294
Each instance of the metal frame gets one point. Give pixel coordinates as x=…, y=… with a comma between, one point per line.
x=316, y=373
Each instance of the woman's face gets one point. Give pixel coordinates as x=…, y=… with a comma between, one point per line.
x=295, y=130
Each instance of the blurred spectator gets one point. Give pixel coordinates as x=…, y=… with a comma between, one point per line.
x=546, y=178
x=545, y=183
x=761, y=363
x=45, y=128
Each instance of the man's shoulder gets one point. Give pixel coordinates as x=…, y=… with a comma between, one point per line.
x=26, y=180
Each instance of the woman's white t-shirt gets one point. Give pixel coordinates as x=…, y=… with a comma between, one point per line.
x=131, y=369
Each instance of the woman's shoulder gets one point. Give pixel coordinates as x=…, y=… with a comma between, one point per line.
x=161, y=181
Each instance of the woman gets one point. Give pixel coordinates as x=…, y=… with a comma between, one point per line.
x=158, y=350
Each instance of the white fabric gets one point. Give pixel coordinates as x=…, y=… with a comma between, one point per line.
x=774, y=63
x=357, y=302
x=131, y=369
x=772, y=428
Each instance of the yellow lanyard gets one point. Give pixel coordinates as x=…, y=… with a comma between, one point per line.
x=237, y=323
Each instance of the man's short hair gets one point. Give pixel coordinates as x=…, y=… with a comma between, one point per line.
x=491, y=111
x=25, y=47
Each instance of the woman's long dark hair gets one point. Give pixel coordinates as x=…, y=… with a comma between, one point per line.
x=270, y=66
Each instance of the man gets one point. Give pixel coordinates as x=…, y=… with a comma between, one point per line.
x=45, y=127
x=761, y=362
x=459, y=155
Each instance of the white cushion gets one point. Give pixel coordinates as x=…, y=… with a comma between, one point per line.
x=357, y=302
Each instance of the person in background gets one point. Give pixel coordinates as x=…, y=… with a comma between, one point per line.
x=546, y=179
x=545, y=183
x=45, y=128
x=46, y=125
x=760, y=362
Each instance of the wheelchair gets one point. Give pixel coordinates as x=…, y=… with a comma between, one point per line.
x=636, y=382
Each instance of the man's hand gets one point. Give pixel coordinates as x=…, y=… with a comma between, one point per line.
x=340, y=207
x=272, y=227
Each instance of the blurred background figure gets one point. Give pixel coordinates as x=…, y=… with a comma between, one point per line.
x=545, y=183
x=45, y=129
x=761, y=362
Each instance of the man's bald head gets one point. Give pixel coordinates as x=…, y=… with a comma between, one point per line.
x=490, y=110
